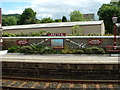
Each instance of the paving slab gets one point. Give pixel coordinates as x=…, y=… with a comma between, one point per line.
x=72, y=59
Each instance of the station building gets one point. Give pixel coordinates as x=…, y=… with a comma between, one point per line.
x=87, y=27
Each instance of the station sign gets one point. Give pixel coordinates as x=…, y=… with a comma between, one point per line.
x=95, y=41
x=57, y=43
x=22, y=42
x=56, y=34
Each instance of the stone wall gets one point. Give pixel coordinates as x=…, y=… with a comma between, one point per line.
x=61, y=71
x=68, y=41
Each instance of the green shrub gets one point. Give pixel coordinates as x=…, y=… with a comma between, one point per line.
x=94, y=50
x=66, y=50
x=42, y=50
x=26, y=49
x=97, y=50
x=14, y=49
x=37, y=48
x=8, y=35
x=79, y=52
x=88, y=51
x=47, y=50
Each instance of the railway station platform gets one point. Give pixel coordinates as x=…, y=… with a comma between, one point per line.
x=76, y=67
x=98, y=71
x=70, y=58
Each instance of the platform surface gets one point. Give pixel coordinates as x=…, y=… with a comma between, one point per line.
x=72, y=59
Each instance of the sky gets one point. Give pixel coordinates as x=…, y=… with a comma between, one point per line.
x=52, y=8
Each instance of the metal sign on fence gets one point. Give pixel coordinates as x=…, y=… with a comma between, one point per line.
x=22, y=42
x=95, y=41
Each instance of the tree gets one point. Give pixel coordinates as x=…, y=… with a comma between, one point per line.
x=47, y=20
x=28, y=17
x=76, y=30
x=106, y=12
x=64, y=19
x=57, y=20
x=76, y=16
x=10, y=20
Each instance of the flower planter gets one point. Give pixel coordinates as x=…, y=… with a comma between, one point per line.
x=3, y=52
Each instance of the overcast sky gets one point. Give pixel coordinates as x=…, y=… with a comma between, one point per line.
x=52, y=8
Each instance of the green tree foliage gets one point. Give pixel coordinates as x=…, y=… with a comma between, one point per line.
x=47, y=20
x=14, y=15
x=76, y=30
x=28, y=17
x=57, y=20
x=64, y=19
x=106, y=12
x=76, y=16
x=8, y=21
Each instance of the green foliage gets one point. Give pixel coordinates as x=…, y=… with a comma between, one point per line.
x=47, y=20
x=8, y=21
x=94, y=50
x=90, y=50
x=57, y=20
x=76, y=16
x=14, y=49
x=77, y=51
x=8, y=15
x=8, y=35
x=106, y=12
x=28, y=17
x=66, y=50
x=38, y=49
x=76, y=30
x=64, y=19
x=108, y=34
x=40, y=33
x=47, y=50
x=33, y=49
x=91, y=34
x=26, y=49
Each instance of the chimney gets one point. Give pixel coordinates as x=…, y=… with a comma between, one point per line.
x=0, y=18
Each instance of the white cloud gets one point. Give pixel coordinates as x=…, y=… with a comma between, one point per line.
x=18, y=11
x=58, y=8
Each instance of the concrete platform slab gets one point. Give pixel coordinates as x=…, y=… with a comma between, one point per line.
x=72, y=59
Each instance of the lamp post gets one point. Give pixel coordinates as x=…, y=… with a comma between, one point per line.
x=114, y=19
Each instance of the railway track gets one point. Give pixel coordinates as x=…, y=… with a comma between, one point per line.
x=34, y=84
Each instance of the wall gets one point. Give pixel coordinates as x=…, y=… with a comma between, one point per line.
x=68, y=40
x=61, y=71
x=94, y=29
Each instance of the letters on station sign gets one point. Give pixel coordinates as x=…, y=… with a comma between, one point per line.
x=95, y=41
x=22, y=42
x=56, y=34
